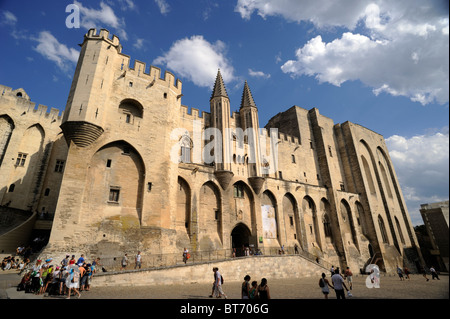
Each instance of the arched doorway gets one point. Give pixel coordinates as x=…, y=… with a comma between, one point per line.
x=240, y=238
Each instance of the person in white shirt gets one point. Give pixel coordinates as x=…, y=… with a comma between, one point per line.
x=218, y=292
x=138, y=260
x=338, y=284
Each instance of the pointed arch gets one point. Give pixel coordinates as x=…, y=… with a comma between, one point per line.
x=210, y=216
x=311, y=221
x=6, y=129
x=291, y=219
x=269, y=213
x=326, y=220
x=115, y=180
x=183, y=217
x=348, y=225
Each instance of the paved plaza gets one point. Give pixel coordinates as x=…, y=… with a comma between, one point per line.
x=296, y=288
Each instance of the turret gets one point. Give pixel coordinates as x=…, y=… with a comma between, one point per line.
x=220, y=119
x=250, y=124
x=83, y=120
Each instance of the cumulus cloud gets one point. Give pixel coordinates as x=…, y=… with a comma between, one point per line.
x=258, y=74
x=163, y=6
x=197, y=60
x=101, y=18
x=52, y=49
x=321, y=13
x=422, y=166
x=401, y=48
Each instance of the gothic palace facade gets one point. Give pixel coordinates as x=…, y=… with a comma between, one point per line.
x=122, y=170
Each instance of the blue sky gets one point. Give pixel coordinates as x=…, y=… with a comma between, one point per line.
x=381, y=64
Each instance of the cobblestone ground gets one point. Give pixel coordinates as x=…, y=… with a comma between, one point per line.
x=296, y=288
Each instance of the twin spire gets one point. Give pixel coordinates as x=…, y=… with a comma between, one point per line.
x=220, y=91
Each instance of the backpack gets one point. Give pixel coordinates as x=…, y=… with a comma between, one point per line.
x=221, y=279
x=321, y=283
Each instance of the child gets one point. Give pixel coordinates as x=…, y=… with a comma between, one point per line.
x=252, y=292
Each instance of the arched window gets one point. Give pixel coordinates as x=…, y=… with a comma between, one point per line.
x=185, y=144
x=131, y=110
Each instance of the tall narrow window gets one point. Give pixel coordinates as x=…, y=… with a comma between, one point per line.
x=384, y=236
x=239, y=191
x=21, y=158
x=59, y=167
x=293, y=158
x=185, y=149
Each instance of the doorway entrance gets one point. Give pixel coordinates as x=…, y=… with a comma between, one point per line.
x=240, y=239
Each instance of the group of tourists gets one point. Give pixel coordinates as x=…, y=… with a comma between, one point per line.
x=69, y=277
x=337, y=282
x=253, y=290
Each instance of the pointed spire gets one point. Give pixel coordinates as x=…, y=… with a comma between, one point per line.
x=219, y=87
x=247, y=98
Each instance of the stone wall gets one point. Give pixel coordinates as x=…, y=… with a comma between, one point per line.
x=232, y=270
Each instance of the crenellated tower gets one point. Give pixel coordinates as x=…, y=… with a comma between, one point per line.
x=84, y=118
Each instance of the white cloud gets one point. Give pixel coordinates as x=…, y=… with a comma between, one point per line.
x=164, y=7
x=197, y=60
x=8, y=18
x=102, y=18
x=404, y=50
x=258, y=74
x=422, y=166
x=139, y=43
x=52, y=49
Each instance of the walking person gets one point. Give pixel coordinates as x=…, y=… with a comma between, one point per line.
x=124, y=262
x=406, y=271
x=424, y=273
x=218, y=291
x=348, y=276
x=185, y=255
x=339, y=284
x=400, y=273
x=332, y=270
x=434, y=273
x=324, y=284
x=245, y=289
x=138, y=260
x=72, y=282
x=263, y=290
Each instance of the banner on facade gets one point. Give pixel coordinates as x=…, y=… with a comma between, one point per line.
x=269, y=222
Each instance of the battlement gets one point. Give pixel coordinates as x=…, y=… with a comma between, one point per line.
x=25, y=107
x=195, y=114
x=282, y=137
x=153, y=75
x=104, y=34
